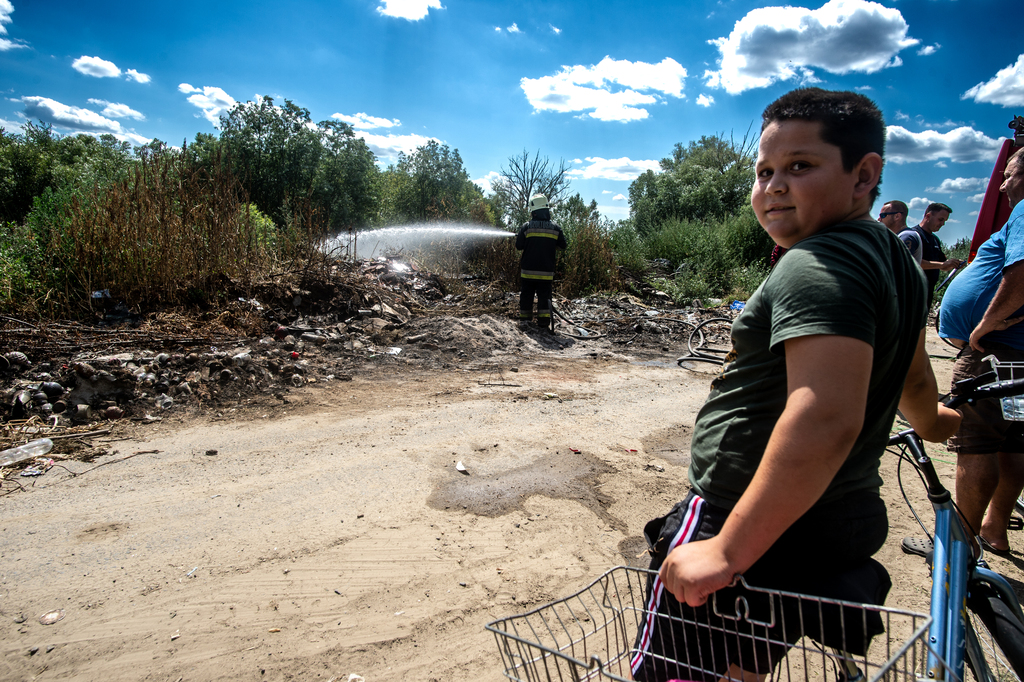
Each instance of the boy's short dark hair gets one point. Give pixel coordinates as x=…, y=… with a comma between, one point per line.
x=848, y=120
x=938, y=206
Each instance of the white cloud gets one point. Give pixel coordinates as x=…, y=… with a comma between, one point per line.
x=863, y=88
x=613, y=169
x=951, y=185
x=498, y=29
x=961, y=145
x=919, y=203
x=388, y=147
x=619, y=197
x=614, y=211
x=486, y=183
x=973, y=214
x=606, y=191
x=96, y=67
x=582, y=88
x=929, y=49
x=900, y=116
x=114, y=110
x=363, y=121
x=941, y=164
x=771, y=44
x=705, y=100
x=976, y=198
x=212, y=100
x=133, y=75
x=413, y=10
x=11, y=126
x=555, y=29
x=1006, y=88
x=514, y=28
x=6, y=9
x=76, y=119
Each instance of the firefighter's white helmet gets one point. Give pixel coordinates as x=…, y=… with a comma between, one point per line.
x=537, y=202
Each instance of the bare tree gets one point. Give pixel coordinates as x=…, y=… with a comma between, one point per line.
x=525, y=176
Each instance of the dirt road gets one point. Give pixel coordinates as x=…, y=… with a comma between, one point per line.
x=333, y=535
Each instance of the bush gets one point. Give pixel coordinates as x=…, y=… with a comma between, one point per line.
x=961, y=250
x=19, y=260
x=588, y=264
x=628, y=247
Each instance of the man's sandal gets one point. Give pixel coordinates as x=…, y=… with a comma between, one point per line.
x=917, y=546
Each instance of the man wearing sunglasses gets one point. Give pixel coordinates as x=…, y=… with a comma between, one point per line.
x=894, y=216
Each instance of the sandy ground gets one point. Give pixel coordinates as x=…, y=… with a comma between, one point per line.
x=333, y=535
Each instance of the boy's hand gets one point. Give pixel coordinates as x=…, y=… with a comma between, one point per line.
x=691, y=572
x=947, y=422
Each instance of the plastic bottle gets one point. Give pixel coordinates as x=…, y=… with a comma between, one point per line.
x=35, y=448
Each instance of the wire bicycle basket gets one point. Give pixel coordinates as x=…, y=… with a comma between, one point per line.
x=1013, y=406
x=592, y=635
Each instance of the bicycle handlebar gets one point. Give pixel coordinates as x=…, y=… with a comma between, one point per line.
x=984, y=386
x=981, y=386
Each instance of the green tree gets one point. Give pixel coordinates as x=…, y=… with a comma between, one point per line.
x=39, y=159
x=288, y=164
x=705, y=180
x=430, y=184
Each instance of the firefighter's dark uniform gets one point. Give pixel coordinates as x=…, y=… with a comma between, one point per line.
x=538, y=240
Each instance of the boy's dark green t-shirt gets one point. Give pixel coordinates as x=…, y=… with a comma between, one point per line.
x=854, y=279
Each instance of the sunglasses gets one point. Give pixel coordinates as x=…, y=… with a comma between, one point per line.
x=885, y=214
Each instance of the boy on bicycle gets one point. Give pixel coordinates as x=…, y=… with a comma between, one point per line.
x=785, y=452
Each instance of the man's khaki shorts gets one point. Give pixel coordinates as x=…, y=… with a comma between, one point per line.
x=983, y=430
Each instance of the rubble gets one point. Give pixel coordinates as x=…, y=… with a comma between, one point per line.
x=283, y=335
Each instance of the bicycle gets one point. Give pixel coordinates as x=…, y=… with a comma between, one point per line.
x=977, y=618
x=593, y=634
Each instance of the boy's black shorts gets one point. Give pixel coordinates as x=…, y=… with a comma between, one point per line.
x=826, y=553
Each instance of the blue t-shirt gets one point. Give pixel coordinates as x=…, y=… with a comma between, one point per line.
x=969, y=295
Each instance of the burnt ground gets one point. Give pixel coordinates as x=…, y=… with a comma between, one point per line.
x=371, y=317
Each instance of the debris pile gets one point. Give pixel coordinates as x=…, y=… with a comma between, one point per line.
x=282, y=335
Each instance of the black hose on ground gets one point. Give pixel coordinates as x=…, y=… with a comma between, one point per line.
x=701, y=353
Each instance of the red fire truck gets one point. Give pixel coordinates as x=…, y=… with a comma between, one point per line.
x=995, y=209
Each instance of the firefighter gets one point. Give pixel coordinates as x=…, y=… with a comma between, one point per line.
x=538, y=240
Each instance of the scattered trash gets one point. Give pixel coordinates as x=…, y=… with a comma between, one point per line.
x=211, y=453
x=274, y=630
x=176, y=635
x=575, y=450
x=51, y=617
x=189, y=574
x=393, y=350
x=737, y=305
x=630, y=449
x=550, y=396
x=459, y=466
x=38, y=470
x=655, y=466
x=103, y=293
x=35, y=448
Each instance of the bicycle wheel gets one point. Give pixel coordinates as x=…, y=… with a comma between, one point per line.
x=1000, y=636
x=1019, y=504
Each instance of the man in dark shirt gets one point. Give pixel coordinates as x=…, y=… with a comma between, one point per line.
x=932, y=257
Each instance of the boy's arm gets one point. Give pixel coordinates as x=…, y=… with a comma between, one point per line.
x=933, y=421
x=827, y=379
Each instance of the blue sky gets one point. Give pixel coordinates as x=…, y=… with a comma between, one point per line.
x=608, y=86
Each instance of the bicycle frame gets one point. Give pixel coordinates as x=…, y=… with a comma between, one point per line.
x=954, y=570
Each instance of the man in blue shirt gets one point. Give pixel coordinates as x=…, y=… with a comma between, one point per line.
x=980, y=312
